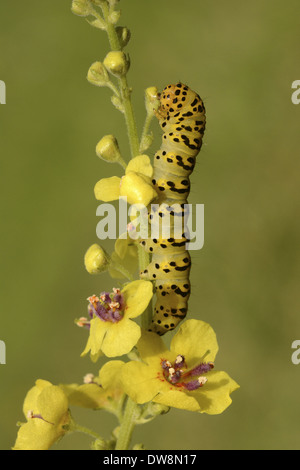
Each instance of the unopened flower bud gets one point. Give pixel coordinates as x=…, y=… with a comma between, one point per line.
x=158, y=409
x=108, y=149
x=146, y=142
x=81, y=7
x=116, y=63
x=97, y=74
x=97, y=23
x=123, y=35
x=96, y=260
x=117, y=103
x=151, y=99
x=114, y=17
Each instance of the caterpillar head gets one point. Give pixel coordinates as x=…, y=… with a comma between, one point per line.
x=169, y=97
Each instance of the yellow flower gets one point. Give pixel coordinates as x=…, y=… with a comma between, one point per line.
x=102, y=392
x=46, y=410
x=179, y=377
x=136, y=185
x=112, y=331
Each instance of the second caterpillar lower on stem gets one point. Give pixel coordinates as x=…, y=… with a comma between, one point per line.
x=181, y=115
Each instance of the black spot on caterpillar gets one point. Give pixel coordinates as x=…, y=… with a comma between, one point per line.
x=181, y=115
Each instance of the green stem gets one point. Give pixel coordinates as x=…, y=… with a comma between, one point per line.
x=128, y=421
x=114, y=42
x=127, y=426
x=123, y=85
x=83, y=429
x=122, y=162
x=129, y=117
x=122, y=270
x=145, y=132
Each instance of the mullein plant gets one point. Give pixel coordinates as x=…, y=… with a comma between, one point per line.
x=154, y=378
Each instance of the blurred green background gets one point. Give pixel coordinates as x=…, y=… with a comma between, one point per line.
x=242, y=58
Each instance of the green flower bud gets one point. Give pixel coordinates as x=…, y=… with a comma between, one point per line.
x=151, y=99
x=99, y=444
x=114, y=17
x=97, y=23
x=108, y=149
x=97, y=74
x=117, y=103
x=123, y=35
x=116, y=63
x=146, y=142
x=96, y=260
x=81, y=7
x=157, y=409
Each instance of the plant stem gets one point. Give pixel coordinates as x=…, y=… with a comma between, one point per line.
x=122, y=270
x=123, y=85
x=144, y=258
x=145, y=132
x=128, y=421
x=127, y=426
x=83, y=429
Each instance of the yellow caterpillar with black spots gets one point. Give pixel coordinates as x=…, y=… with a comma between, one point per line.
x=181, y=115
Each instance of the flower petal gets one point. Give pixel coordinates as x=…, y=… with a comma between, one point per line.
x=86, y=395
x=137, y=296
x=108, y=189
x=140, y=164
x=36, y=435
x=214, y=396
x=140, y=381
x=98, y=330
x=178, y=399
x=121, y=337
x=193, y=339
x=52, y=404
x=110, y=374
x=137, y=188
x=151, y=348
x=30, y=402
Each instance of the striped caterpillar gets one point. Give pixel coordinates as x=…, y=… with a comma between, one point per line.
x=181, y=115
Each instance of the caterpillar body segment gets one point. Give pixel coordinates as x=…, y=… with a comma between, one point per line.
x=181, y=115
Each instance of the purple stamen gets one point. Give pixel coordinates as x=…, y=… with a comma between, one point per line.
x=100, y=311
x=109, y=307
x=120, y=299
x=179, y=362
x=176, y=373
x=116, y=315
x=166, y=365
x=201, y=369
x=175, y=377
x=193, y=385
